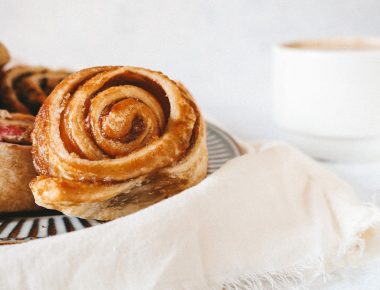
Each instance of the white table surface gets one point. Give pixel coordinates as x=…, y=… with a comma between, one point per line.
x=220, y=49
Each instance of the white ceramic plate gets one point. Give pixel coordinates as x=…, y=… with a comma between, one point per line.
x=20, y=227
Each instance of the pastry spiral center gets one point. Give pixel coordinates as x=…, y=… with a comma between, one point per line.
x=119, y=120
x=127, y=119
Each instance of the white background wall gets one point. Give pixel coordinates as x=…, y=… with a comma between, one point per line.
x=220, y=49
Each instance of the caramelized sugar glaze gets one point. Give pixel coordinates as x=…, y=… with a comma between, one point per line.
x=111, y=140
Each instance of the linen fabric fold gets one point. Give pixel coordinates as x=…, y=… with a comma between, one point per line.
x=270, y=219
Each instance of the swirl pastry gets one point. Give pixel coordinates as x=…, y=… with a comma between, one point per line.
x=16, y=170
x=112, y=140
x=23, y=89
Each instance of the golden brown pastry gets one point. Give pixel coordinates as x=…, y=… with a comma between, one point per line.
x=112, y=140
x=16, y=170
x=23, y=89
x=4, y=55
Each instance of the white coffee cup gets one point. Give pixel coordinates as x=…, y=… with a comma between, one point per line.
x=327, y=97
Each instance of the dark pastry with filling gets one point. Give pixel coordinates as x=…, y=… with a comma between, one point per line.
x=16, y=170
x=23, y=89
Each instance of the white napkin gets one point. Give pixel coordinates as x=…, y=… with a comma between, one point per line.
x=271, y=219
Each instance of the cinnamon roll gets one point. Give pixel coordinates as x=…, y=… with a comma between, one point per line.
x=16, y=170
x=109, y=141
x=23, y=89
